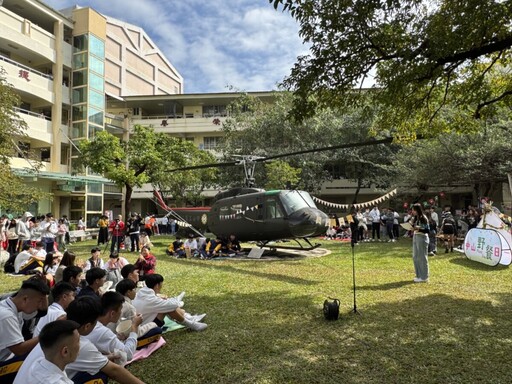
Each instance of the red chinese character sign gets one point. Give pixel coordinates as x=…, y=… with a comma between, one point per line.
x=490, y=243
x=23, y=74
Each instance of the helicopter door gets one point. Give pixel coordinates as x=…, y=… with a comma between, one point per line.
x=275, y=219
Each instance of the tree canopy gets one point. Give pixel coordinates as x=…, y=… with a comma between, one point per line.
x=144, y=158
x=256, y=128
x=480, y=159
x=422, y=55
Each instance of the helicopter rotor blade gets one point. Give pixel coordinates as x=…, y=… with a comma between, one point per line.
x=259, y=159
x=330, y=148
x=203, y=166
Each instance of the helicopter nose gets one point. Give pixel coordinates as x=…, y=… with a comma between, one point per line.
x=308, y=222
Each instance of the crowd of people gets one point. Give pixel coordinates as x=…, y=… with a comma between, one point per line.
x=77, y=338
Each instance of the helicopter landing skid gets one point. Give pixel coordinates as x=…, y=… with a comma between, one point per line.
x=300, y=247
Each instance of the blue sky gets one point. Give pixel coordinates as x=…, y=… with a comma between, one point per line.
x=213, y=43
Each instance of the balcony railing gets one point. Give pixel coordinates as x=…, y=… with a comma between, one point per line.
x=25, y=68
x=35, y=114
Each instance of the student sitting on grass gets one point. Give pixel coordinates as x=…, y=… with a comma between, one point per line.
x=63, y=294
x=60, y=343
x=90, y=365
x=129, y=271
x=73, y=275
x=95, y=278
x=35, y=261
x=104, y=339
x=146, y=263
x=128, y=288
x=155, y=308
x=32, y=297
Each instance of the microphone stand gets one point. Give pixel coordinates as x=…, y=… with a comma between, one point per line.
x=354, y=310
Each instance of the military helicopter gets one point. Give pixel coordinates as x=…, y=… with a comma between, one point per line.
x=253, y=214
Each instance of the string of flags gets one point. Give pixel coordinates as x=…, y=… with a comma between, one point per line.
x=240, y=212
x=357, y=206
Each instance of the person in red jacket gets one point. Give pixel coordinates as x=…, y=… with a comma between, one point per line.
x=146, y=263
x=116, y=227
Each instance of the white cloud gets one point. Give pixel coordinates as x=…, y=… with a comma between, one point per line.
x=213, y=43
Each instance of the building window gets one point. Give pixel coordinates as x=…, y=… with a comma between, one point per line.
x=79, y=112
x=214, y=110
x=45, y=155
x=212, y=142
x=80, y=43
x=79, y=78
x=97, y=47
x=79, y=95
x=78, y=130
x=96, y=99
x=97, y=66
x=95, y=116
x=96, y=82
x=80, y=61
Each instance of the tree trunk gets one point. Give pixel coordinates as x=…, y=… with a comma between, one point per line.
x=127, y=201
x=356, y=194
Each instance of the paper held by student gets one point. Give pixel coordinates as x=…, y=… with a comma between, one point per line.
x=407, y=226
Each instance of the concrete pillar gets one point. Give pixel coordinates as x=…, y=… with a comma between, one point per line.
x=58, y=72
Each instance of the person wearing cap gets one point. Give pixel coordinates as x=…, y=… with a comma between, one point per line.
x=144, y=240
x=48, y=232
x=95, y=260
x=448, y=228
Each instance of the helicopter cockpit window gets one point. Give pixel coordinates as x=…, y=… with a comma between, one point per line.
x=295, y=200
x=273, y=209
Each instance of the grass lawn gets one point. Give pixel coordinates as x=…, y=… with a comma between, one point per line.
x=266, y=323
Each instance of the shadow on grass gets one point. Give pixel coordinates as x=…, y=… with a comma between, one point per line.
x=465, y=262
x=241, y=271
x=386, y=286
x=271, y=338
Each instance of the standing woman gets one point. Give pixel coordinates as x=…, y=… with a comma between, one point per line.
x=12, y=237
x=421, y=229
x=103, y=233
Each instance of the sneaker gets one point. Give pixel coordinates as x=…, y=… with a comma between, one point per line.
x=417, y=280
x=196, y=325
x=196, y=318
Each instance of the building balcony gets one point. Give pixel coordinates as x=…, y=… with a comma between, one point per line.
x=22, y=35
x=28, y=80
x=182, y=124
x=39, y=126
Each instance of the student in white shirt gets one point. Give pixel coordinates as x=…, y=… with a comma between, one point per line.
x=128, y=288
x=104, y=339
x=155, y=308
x=23, y=257
x=63, y=294
x=32, y=297
x=60, y=343
x=90, y=363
